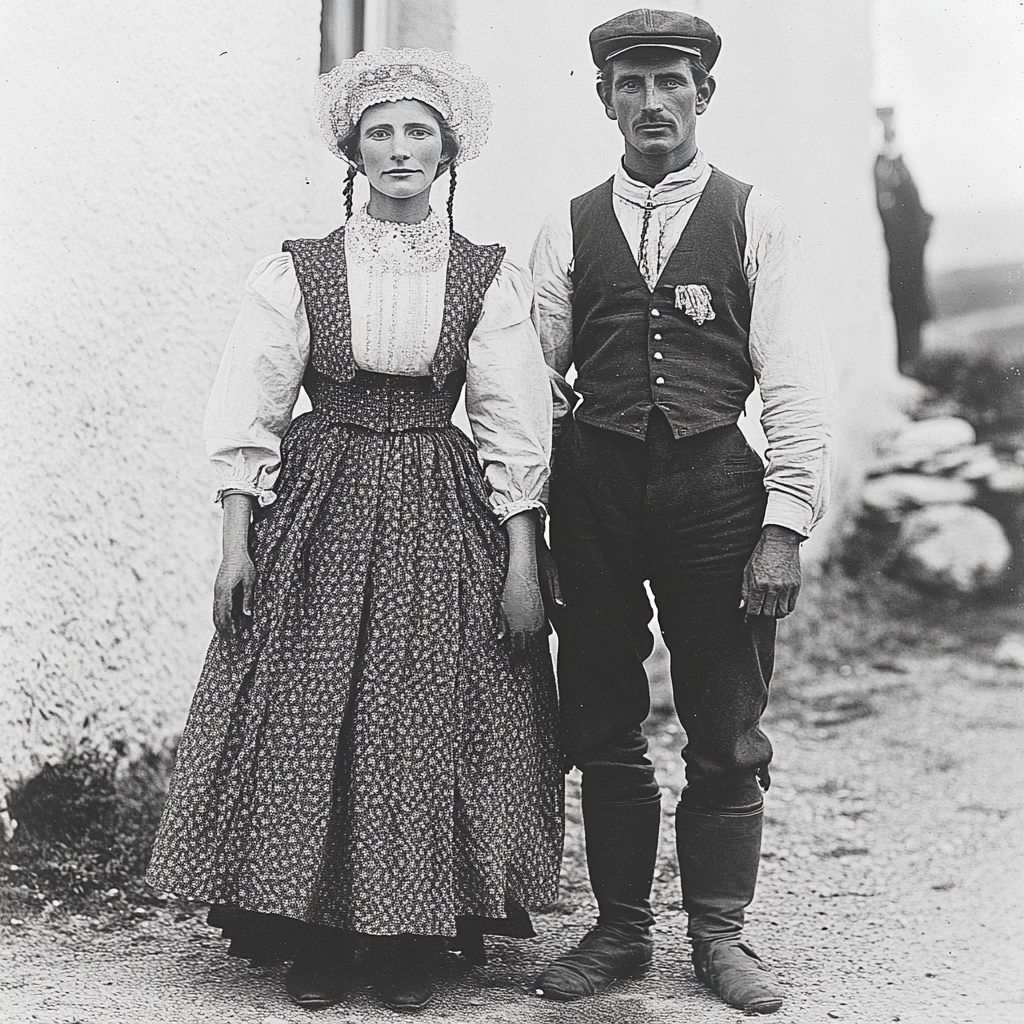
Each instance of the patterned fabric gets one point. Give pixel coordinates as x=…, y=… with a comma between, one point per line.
x=321, y=270
x=365, y=755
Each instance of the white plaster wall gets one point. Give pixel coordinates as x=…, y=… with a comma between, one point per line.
x=150, y=152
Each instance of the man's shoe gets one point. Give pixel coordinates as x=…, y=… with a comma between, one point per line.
x=604, y=956
x=313, y=982
x=736, y=974
x=403, y=982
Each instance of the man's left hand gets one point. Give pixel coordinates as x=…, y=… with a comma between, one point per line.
x=771, y=580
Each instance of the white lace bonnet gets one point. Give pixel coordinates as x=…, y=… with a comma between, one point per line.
x=386, y=75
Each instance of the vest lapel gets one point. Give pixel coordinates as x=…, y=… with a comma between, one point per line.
x=621, y=242
x=694, y=226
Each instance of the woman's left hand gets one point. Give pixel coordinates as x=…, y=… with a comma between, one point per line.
x=522, y=609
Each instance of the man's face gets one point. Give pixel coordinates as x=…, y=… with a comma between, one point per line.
x=655, y=102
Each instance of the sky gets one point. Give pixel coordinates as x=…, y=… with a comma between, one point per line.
x=954, y=71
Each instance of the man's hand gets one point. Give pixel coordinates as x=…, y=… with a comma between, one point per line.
x=771, y=580
x=547, y=571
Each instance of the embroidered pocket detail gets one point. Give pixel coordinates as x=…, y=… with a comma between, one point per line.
x=695, y=301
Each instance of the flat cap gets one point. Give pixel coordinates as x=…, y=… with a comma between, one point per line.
x=671, y=30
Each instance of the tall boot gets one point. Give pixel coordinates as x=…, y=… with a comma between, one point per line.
x=719, y=856
x=622, y=848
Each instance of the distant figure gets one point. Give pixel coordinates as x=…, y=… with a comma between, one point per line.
x=906, y=225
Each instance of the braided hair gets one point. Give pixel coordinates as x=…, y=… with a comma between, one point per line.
x=348, y=146
x=451, y=198
x=349, y=190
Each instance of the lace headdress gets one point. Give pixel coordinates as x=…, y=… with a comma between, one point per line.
x=387, y=75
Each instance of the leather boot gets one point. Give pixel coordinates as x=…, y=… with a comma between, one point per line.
x=719, y=856
x=622, y=847
x=403, y=981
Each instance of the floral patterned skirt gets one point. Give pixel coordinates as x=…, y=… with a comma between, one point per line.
x=365, y=755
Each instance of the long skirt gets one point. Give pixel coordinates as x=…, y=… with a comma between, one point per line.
x=367, y=754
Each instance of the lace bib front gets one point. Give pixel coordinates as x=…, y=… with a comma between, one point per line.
x=396, y=276
x=413, y=324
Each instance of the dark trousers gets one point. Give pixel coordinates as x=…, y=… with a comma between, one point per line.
x=684, y=514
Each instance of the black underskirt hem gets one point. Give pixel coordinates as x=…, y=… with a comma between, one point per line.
x=268, y=938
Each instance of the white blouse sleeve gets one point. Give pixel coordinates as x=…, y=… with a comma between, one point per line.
x=258, y=382
x=508, y=397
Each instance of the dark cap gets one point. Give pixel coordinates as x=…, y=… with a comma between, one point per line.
x=670, y=30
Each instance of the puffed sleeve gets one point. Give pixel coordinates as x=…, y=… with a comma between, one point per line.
x=258, y=382
x=508, y=397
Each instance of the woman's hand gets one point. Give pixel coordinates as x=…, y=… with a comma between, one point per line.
x=232, y=593
x=522, y=608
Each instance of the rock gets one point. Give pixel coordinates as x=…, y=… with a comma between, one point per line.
x=1010, y=651
x=8, y=825
x=953, y=547
x=1006, y=480
x=891, y=496
x=978, y=468
x=958, y=461
x=924, y=439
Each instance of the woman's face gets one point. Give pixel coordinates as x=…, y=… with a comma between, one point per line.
x=399, y=148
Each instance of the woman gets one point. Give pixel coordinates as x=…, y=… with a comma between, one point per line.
x=371, y=753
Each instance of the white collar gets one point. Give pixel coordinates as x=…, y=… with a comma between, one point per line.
x=677, y=187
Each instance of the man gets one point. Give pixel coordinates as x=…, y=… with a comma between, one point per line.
x=906, y=226
x=672, y=287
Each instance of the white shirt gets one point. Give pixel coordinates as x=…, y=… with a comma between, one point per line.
x=508, y=398
x=788, y=350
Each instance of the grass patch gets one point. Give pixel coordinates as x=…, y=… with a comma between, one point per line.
x=868, y=618
x=85, y=830
x=986, y=390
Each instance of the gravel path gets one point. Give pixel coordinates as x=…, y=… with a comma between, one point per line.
x=891, y=887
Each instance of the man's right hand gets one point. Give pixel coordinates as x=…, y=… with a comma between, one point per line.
x=547, y=573
x=237, y=575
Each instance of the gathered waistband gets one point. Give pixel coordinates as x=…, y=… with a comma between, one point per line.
x=384, y=402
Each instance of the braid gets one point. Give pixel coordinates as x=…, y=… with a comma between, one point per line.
x=350, y=187
x=451, y=198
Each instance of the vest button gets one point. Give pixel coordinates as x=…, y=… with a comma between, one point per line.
x=657, y=337
x=655, y=312
x=659, y=380
x=658, y=356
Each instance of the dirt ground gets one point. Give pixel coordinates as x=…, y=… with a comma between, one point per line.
x=891, y=883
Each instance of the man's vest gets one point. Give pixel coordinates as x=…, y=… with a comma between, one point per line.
x=684, y=346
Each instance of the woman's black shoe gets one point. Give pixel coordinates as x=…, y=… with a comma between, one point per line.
x=314, y=982
x=403, y=982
